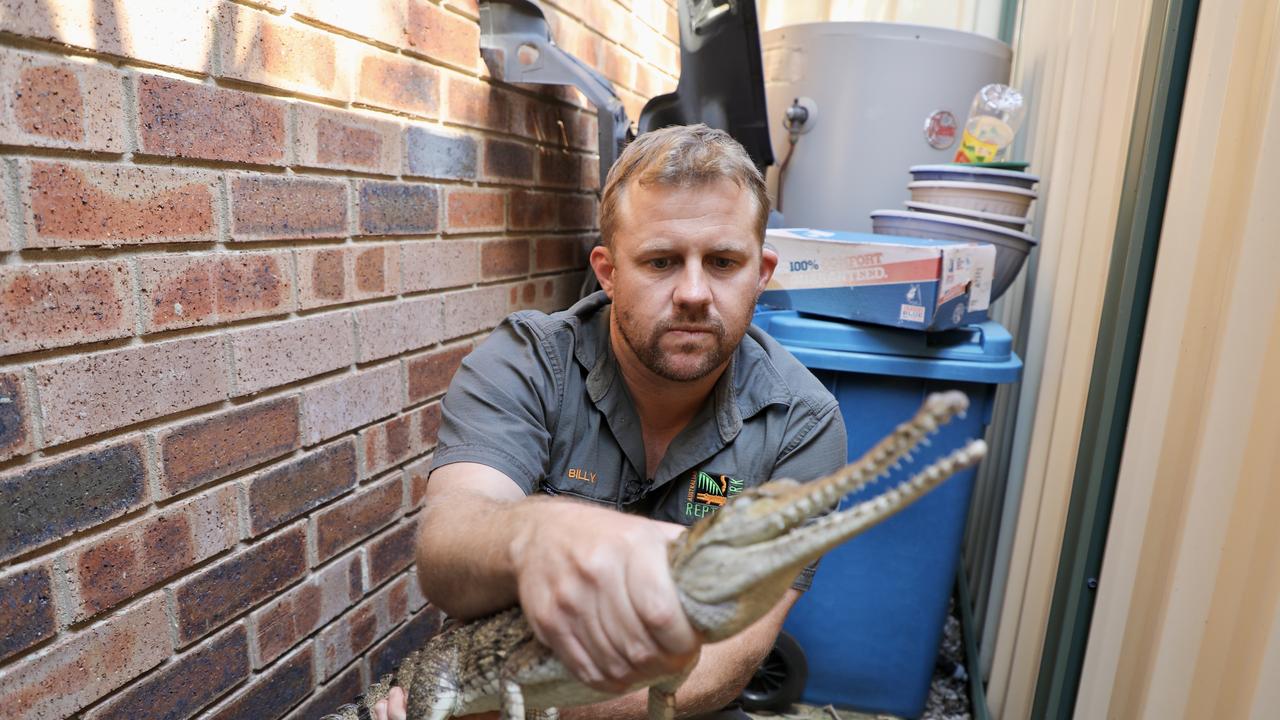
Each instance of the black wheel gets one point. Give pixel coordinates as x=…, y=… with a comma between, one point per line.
x=780, y=679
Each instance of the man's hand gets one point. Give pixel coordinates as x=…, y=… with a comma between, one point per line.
x=596, y=588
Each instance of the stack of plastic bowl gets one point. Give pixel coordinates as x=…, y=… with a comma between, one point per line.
x=971, y=203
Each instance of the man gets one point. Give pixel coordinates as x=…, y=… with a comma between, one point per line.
x=651, y=398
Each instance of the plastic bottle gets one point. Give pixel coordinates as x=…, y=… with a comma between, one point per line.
x=994, y=118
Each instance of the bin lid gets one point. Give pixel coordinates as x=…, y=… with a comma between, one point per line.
x=980, y=353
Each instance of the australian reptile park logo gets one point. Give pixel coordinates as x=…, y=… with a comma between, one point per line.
x=708, y=492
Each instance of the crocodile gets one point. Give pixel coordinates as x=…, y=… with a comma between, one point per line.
x=729, y=568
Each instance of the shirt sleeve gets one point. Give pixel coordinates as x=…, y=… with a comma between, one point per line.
x=817, y=448
x=501, y=405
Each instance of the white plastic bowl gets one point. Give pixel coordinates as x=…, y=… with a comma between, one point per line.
x=960, y=172
x=1012, y=246
x=1010, y=221
x=984, y=197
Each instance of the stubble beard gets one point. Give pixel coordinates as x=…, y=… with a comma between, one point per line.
x=650, y=353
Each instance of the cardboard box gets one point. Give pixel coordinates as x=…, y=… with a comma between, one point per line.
x=882, y=279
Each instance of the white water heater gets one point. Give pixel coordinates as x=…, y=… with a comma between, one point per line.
x=879, y=98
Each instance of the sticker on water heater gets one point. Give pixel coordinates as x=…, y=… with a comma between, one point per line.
x=911, y=313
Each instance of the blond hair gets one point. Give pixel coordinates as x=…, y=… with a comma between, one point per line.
x=681, y=156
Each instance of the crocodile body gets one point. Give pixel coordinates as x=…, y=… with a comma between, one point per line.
x=729, y=568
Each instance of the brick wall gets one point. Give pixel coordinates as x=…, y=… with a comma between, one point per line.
x=243, y=247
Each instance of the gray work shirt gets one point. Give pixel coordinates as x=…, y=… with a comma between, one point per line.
x=543, y=401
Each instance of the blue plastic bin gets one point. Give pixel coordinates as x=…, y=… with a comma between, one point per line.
x=873, y=620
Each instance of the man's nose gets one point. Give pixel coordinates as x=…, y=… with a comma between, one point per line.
x=692, y=288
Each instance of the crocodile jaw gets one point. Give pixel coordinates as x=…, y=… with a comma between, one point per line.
x=732, y=567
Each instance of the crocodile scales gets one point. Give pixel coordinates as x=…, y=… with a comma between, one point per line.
x=729, y=568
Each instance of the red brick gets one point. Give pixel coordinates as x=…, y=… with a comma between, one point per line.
x=171, y=34
x=470, y=8
x=78, y=204
x=302, y=610
x=396, y=327
x=284, y=352
x=279, y=208
x=274, y=692
x=438, y=154
x=345, y=140
x=576, y=212
x=26, y=609
x=184, y=119
x=440, y=264
x=400, y=83
x=380, y=21
x=392, y=552
x=415, y=476
x=53, y=499
x=15, y=417
x=619, y=66
x=558, y=253
x=285, y=492
x=121, y=564
x=87, y=665
x=504, y=258
x=388, y=443
x=188, y=683
x=52, y=305
x=407, y=638
x=430, y=373
x=186, y=290
x=46, y=102
x=559, y=168
x=94, y=393
x=376, y=270
x=470, y=311
x=357, y=517
x=507, y=160
x=219, y=593
x=442, y=35
x=476, y=210
x=329, y=697
x=323, y=276
x=354, y=632
x=428, y=420
x=198, y=452
x=350, y=401
x=259, y=48
x=396, y=208
x=477, y=104
x=533, y=210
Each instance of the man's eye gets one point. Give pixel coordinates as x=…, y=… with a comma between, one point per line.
x=722, y=263
x=660, y=263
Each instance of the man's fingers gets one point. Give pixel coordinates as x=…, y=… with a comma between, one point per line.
x=658, y=605
x=397, y=704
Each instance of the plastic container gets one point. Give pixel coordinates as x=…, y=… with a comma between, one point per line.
x=961, y=172
x=1012, y=247
x=1013, y=222
x=987, y=197
x=994, y=117
x=871, y=624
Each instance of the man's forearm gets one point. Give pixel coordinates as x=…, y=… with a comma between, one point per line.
x=464, y=561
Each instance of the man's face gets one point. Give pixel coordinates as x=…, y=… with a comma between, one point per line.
x=684, y=273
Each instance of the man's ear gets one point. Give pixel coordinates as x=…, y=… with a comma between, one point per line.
x=768, y=263
x=602, y=262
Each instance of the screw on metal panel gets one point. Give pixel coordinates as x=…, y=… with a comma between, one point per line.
x=1091, y=583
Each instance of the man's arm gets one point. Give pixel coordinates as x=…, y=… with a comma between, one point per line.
x=722, y=671
x=595, y=584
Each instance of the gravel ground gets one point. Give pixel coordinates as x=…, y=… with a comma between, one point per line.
x=948, y=694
